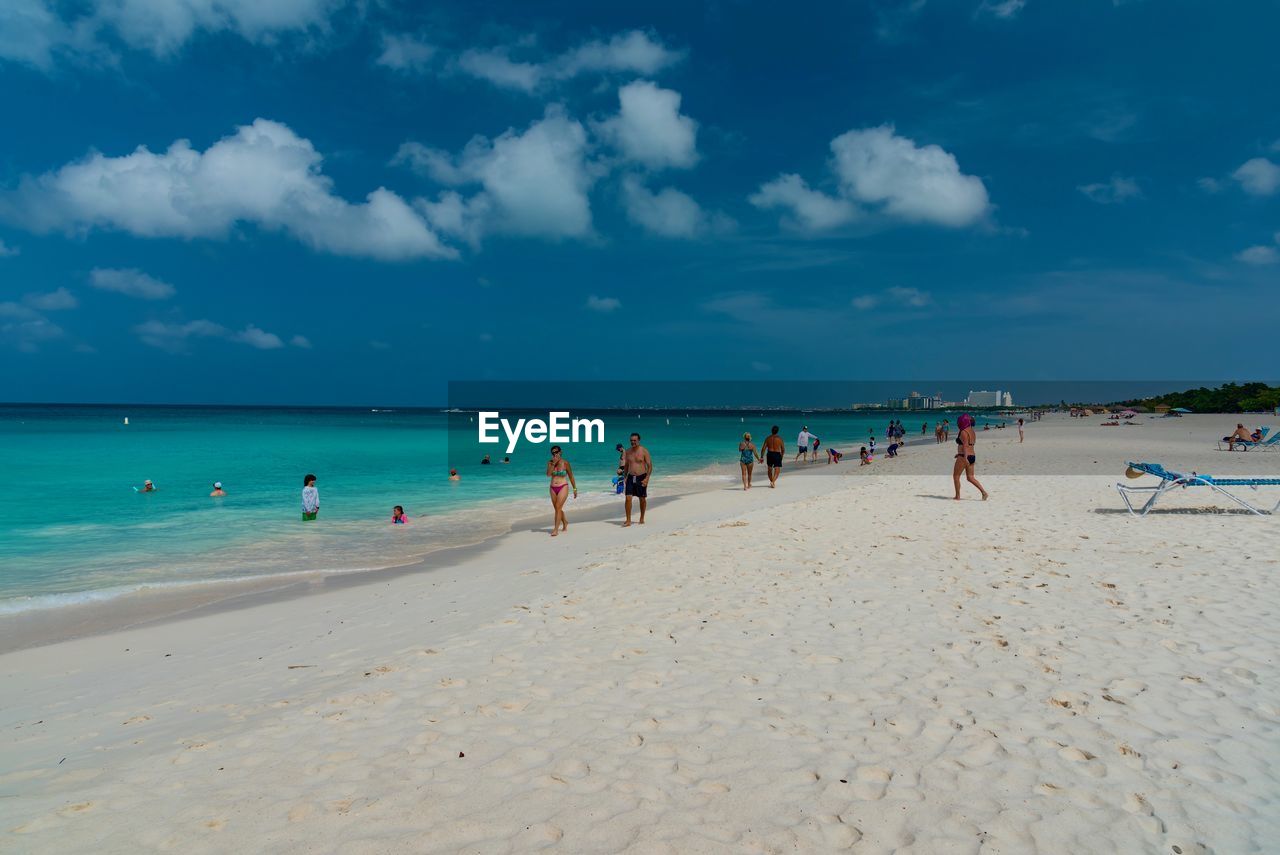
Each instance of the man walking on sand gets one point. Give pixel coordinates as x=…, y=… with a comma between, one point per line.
x=639, y=467
x=773, y=450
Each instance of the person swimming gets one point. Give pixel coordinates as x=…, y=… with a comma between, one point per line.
x=397, y=516
x=147, y=487
x=454, y=476
x=217, y=490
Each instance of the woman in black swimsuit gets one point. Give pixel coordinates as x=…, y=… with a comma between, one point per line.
x=965, y=457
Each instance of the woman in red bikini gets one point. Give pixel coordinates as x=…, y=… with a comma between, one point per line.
x=561, y=474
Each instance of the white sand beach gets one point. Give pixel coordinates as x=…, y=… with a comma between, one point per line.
x=852, y=661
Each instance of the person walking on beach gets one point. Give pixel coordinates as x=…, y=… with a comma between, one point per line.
x=747, y=458
x=561, y=474
x=965, y=457
x=310, y=498
x=774, y=448
x=1019, y=430
x=802, y=444
x=639, y=467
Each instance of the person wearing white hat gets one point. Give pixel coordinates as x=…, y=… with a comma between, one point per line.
x=217, y=490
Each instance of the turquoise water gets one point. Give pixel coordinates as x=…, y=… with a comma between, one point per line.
x=72, y=527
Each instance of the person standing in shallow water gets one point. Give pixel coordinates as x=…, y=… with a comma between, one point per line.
x=310, y=498
x=965, y=456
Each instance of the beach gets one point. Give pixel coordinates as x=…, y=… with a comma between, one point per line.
x=851, y=661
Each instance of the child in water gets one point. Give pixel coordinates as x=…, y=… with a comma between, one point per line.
x=397, y=516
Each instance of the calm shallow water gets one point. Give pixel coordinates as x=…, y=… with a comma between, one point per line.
x=72, y=528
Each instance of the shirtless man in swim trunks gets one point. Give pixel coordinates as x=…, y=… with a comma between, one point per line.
x=639, y=467
x=773, y=450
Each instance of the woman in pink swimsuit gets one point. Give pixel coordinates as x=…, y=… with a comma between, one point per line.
x=561, y=474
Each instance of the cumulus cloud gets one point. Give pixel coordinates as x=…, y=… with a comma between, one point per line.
x=807, y=209
x=263, y=174
x=255, y=337
x=25, y=329
x=533, y=182
x=175, y=336
x=405, y=52
x=301, y=341
x=649, y=128
x=1259, y=255
x=668, y=212
x=131, y=282
x=1258, y=177
x=1118, y=189
x=52, y=301
x=603, y=304
x=36, y=32
x=1004, y=9
x=7, y=251
x=882, y=172
x=897, y=297
x=634, y=52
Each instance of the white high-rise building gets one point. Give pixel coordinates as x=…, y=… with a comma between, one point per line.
x=1008, y=399
x=983, y=398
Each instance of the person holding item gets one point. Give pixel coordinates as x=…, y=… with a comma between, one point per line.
x=310, y=498
x=747, y=458
x=561, y=474
x=965, y=457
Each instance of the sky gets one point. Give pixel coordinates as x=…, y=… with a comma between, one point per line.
x=331, y=202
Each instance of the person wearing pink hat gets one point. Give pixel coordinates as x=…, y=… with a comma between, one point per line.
x=965, y=457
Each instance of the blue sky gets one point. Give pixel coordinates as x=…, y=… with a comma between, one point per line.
x=318, y=201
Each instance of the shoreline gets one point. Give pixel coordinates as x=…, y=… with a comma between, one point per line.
x=118, y=609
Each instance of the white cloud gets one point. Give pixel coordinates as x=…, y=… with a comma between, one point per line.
x=603, y=304
x=263, y=174
x=1118, y=189
x=1209, y=185
x=301, y=341
x=884, y=172
x=808, y=209
x=52, y=301
x=649, y=128
x=532, y=183
x=36, y=32
x=896, y=297
x=1259, y=255
x=635, y=52
x=920, y=184
x=1002, y=8
x=668, y=212
x=8, y=251
x=499, y=69
x=130, y=282
x=255, y=337
x=173, y=337
x=1258, y=177
x=25, y=329
x=405, y=52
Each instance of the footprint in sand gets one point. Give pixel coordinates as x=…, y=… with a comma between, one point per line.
x=137, y=719
x=871, y=782
x=77, y=809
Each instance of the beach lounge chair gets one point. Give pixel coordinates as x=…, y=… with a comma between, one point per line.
x=1267, y=442
x=1173, y=480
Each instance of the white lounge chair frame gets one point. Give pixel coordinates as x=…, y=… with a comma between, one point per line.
x=1173, y=480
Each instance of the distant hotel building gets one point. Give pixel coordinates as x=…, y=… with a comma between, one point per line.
x=915, y=401
x=984, y=398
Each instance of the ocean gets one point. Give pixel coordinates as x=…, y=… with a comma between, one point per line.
x=73, y=529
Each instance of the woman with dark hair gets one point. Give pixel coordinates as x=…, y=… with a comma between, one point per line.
x=965, y=457
x=561, y=474
x=310, y=498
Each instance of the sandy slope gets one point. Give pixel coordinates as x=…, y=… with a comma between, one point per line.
x=849, y=661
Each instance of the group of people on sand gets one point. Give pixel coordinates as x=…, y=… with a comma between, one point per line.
x=1242, y=434
x=635, y=467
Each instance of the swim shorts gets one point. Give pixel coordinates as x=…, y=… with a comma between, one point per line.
x=636, y=486
x=309, y=516
x=773, y=458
